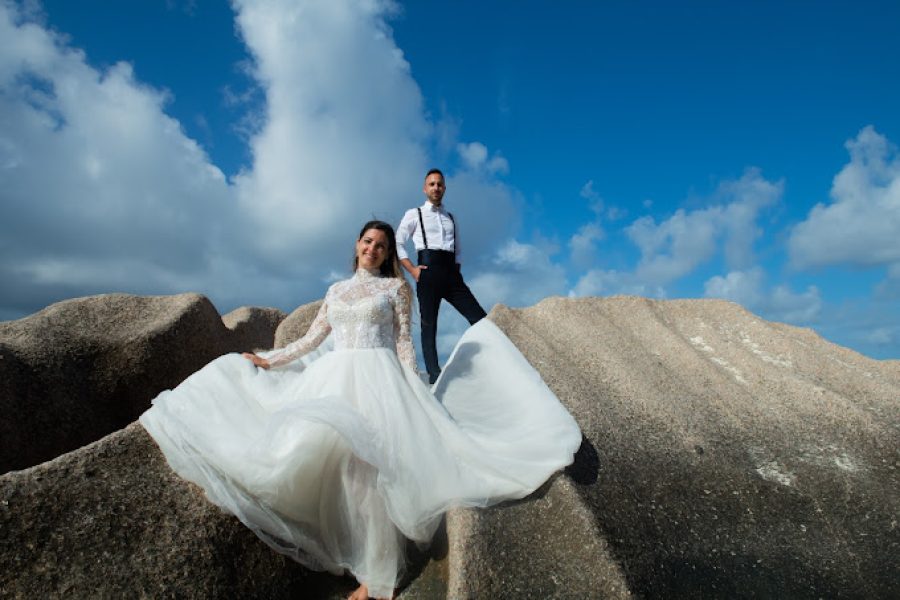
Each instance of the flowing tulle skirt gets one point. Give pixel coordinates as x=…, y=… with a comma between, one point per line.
x=338, y=457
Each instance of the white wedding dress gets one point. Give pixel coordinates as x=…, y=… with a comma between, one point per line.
x=334, y=457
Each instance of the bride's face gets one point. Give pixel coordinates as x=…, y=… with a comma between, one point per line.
x=372, y=249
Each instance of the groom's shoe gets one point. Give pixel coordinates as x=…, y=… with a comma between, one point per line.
x=432, y=377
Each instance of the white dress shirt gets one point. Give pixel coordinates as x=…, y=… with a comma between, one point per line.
x=439, y=230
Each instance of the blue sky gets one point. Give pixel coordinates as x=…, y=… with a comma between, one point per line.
x=673, y=150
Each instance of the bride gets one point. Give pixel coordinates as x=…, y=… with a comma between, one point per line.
x=335, y=457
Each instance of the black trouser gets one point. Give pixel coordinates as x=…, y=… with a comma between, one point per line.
x=442, y=282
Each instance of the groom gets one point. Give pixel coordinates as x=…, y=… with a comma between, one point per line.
x=434, y=233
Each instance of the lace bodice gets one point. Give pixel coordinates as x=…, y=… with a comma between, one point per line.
x=365, y=311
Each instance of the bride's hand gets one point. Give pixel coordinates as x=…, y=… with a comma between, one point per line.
x=256, y=360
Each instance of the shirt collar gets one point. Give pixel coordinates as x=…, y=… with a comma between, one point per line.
x=429, y=206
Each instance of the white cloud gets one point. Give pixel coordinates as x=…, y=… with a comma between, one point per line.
x=102, y=191
x=678, y=245
x=868, y=325
x=744, y=199
x=860, y=225
x=344, y=129
x=599, y=282
x=345, y=135
x=588, y=192
x=592, y=196
x=583, y=245
x=519, y=274
x=785, y=305
x=614, y=213
x=889, y=289
x=475, y=157
x=498, y=165
x=743, y=287
x=446, y=132
x=747, y=288
x=598, y=205
x=882, y=336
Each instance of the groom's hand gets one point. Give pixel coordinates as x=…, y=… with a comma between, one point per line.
x=418, y=271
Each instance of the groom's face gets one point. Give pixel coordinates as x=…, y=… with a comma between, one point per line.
x=434, y=188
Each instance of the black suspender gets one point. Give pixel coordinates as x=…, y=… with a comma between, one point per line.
x=455, y=232
x=422, y=225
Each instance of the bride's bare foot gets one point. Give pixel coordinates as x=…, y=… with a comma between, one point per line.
x=362, y=593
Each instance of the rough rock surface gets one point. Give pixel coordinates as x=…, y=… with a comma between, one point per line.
x=724, y=456
x=295, y=325
x=253, y=328
x=111, y=520
x=83, y=368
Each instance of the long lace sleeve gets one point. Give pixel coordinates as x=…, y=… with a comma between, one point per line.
x=315, y=335
x=402, y=326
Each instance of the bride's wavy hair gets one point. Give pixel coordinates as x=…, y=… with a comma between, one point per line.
x=391, y=265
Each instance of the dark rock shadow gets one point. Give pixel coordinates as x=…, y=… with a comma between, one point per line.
x=418, y=561
x=585, y=469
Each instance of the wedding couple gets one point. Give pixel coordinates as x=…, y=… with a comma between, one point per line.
x=337, y=457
